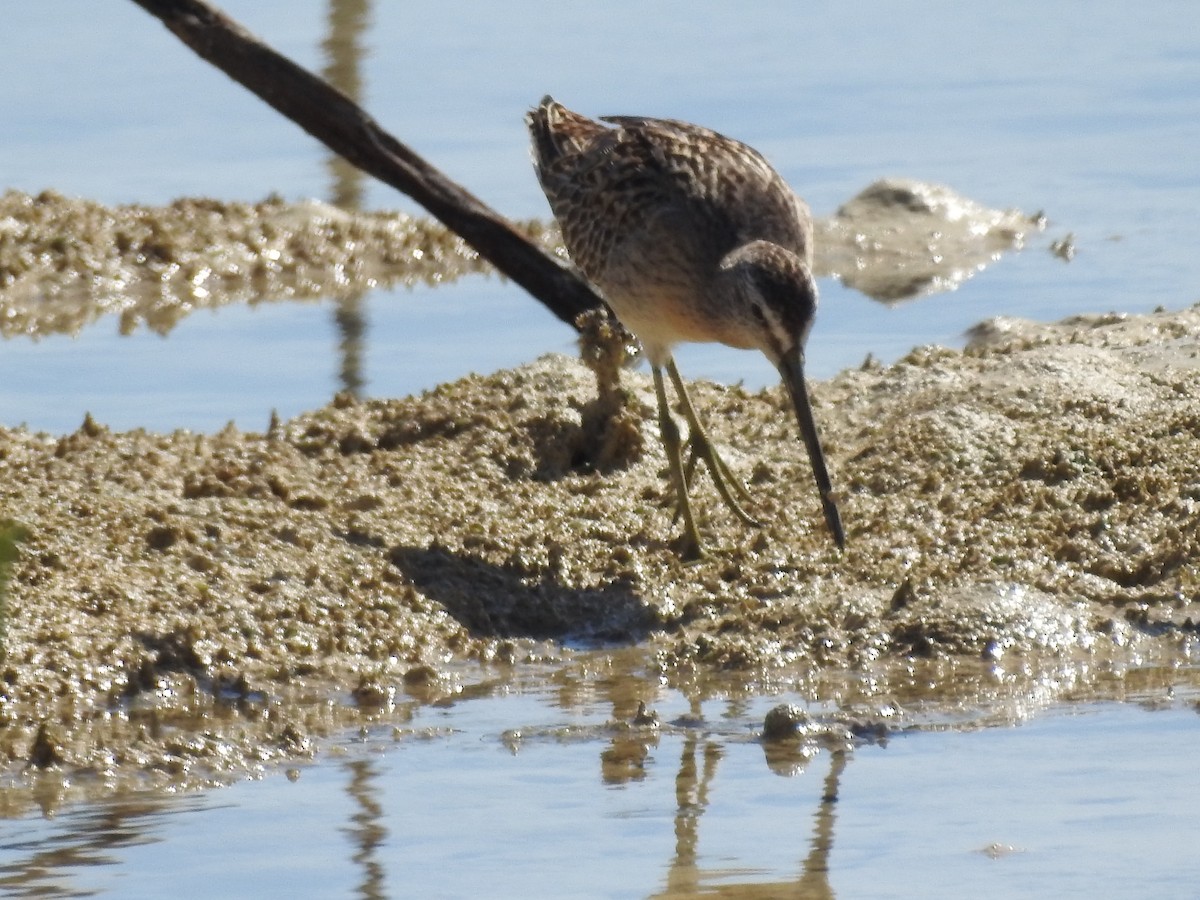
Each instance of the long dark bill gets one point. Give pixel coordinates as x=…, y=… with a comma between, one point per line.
x=792, y=370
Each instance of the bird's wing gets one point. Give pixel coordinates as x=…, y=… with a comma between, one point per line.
x=719, y=173
x=639, y=178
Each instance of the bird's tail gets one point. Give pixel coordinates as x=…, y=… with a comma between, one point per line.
x=557, y=131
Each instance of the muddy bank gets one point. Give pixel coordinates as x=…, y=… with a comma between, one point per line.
x=189, y=603
x=67, y=262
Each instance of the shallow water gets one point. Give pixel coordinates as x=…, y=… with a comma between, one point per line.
x=1095, y=125
x=1093, y=117
x=529, y=792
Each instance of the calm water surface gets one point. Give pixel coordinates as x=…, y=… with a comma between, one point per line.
x=1090, y=112
x=1083, y=111
x=1093, y=800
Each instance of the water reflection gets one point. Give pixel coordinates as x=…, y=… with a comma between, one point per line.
x=677, y=839
x=344, y=51
x=367, y=833
x=631, y=695
x=635, y=732
x=688, y=877
x=85, y=838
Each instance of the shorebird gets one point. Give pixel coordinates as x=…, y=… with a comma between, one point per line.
x=689, y=236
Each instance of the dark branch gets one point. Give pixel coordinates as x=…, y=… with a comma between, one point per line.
x=339, y=123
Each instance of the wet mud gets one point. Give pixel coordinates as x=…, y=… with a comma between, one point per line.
x=1021, y=521
x=67, y=262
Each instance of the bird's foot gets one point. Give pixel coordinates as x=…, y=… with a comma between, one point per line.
x=701, y=448
x=689, y=548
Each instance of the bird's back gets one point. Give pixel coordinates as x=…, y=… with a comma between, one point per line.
x=659, y=187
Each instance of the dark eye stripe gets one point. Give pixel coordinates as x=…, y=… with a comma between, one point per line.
x=770, y=327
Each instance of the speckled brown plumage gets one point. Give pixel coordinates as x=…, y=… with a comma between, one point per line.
x=690, y=236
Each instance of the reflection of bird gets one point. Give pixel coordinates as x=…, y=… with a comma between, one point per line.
x=690, y=236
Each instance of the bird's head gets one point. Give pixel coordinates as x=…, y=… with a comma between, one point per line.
x=776, y=297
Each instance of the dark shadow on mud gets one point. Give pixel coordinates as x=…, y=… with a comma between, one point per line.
x=509, y=602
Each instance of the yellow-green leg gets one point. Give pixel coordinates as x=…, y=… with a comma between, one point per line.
x=691, y=547
x=701, y=447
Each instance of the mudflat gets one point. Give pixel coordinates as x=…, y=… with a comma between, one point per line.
x=186, y=608
x=186, y=605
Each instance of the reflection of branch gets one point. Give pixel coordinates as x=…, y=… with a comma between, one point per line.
x=335, y=120
x=343, y=46
x=348, y=20
x=367, y=832
x=90, y=837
